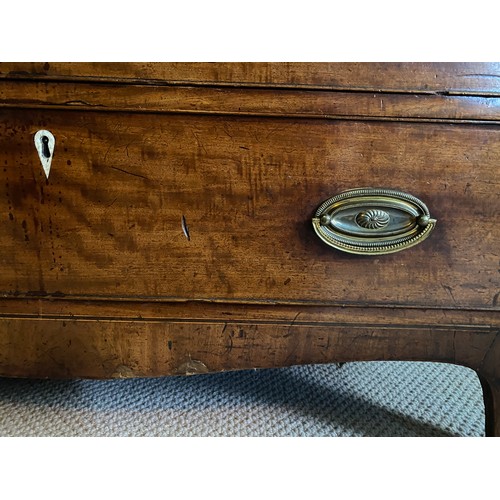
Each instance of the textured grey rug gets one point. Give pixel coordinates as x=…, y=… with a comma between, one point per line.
x=357, y=399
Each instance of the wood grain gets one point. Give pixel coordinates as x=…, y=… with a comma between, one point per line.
x=97, y=349
x=109, y=221
x=452, y=78
x=131, y=310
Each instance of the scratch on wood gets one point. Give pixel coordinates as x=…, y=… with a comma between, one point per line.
x=226, y=132
x=292, y=323
x=129, y=173
x=229, y=347
x=200, y=144
x=185, y=228
x=450, y=292
x=480, y=75
x=483, y=359
x=106, y=153
x=81, y=103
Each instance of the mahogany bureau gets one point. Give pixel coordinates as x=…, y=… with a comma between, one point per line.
x=161, y=219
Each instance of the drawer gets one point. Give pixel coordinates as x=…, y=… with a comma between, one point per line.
x=183, y=206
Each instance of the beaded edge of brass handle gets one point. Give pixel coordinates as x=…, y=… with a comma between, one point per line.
x=373, y=221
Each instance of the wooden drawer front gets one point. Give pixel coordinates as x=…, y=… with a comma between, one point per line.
x=109, y=221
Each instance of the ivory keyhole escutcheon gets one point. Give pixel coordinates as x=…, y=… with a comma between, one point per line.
x=45, y=143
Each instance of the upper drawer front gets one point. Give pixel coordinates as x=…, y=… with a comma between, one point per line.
x=219, y=208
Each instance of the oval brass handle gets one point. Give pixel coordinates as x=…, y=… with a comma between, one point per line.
x=373, y=221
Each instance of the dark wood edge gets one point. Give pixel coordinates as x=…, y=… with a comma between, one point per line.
x=59, y=297
x=256, y=313
x=69, y=348
x=250, y=102
x=453, y=78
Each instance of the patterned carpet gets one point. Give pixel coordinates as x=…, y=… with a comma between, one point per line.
x=356, y=399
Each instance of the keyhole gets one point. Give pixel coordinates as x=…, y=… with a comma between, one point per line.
x=45, y=146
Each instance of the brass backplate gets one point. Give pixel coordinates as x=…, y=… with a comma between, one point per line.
x=373, y=221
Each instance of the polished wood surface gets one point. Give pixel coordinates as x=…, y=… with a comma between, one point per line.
x=454, y=78
x=247, y=189
x=174, y=233
x=282, y=103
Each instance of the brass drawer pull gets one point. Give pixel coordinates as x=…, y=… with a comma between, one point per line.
x=373, y=221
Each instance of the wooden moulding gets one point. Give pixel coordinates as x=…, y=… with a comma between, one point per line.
x=248, y=102
x=452, y=78
x=73, y=339
x=278, y=314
